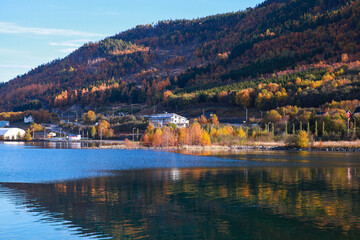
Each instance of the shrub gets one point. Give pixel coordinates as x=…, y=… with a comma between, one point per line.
x=301, y=140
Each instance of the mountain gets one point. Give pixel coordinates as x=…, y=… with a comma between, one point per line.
x=172, y=61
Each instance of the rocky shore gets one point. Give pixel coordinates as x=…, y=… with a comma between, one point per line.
x=326, y=146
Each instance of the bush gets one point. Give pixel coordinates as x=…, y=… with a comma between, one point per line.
x=300, y=140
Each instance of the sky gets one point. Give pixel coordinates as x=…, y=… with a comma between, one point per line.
x=34, y=32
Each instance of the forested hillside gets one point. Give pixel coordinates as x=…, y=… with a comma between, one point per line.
x=301, y=52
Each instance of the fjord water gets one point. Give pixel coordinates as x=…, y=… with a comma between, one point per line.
x=135, y=194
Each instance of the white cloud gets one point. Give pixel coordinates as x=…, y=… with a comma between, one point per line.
x=71, y=43
x=15, y=66
x=68, y=50
x=11, y=28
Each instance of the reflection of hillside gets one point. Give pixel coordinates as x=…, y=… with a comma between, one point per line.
x=222, y=203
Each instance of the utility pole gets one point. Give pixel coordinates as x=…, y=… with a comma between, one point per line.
x=348, y=113
x=354, y=125
x=246, y=116
x=133, y=132
x=101, y=130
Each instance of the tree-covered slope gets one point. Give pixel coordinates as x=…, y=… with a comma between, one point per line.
x=138, y=65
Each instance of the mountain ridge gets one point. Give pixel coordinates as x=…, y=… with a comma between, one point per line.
x=138, y=65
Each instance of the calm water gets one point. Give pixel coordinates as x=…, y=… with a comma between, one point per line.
x=120, y=194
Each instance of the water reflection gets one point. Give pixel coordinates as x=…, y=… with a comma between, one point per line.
x=203, y=203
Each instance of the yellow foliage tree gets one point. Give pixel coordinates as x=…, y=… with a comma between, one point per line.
x=157, y=139
x=27, y=136
x=90, y=116
x=214, y=120
x=302, y=139
x=244, y=97
x=273, y=116
x=241, y=133
x=104, y=128
x=36, y=127
x=205, y=139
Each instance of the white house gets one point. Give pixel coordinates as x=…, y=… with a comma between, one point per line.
x=28, y=119
x=167, y=118
x=11, y=133
x=74, y=138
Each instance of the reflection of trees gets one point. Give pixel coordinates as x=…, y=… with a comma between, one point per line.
x=207, y=203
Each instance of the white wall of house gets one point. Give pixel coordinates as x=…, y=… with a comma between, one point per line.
x=28, y=119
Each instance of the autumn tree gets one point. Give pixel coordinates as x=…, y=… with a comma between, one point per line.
x=168, y=138
x=214, y=120
x=36, y=127
x=272, y=116
x=93, y=132
x=195, y=134
x=305, y=116
x=184, y=138
x=89, y=117
x=104, y=130
x=157, y=139
x=205, y=139
x=27, y=136
x=241, y=133
x=244, y=97
x=145, y=140
x=203, y=120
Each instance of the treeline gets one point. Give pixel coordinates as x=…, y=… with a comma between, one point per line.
x=308, y=87
x=295, y=126
x=41, y=116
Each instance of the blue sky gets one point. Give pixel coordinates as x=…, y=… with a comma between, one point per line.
x=33, y=32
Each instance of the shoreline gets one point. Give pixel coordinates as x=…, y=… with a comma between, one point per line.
x=343, y=146
x=329, y=146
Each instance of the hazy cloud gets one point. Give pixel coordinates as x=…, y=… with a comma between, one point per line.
x=71, y=43
x=15, y=66
x=11, y=28
x=68, y=50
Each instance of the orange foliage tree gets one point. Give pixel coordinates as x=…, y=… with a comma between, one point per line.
x=103, y=128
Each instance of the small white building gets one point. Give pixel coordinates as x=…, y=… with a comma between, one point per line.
x=167, y=118
x=28, y=119
x=74, y=138
x=11, y=133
